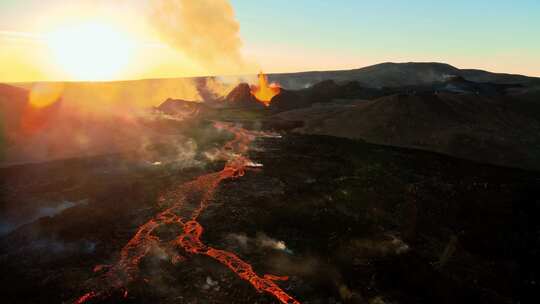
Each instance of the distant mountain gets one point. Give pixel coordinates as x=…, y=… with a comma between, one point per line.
x=482, y=128
x=328, y=91
x=398, y=75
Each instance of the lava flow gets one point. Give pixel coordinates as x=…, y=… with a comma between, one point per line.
x=183, y=215
x=264, y=91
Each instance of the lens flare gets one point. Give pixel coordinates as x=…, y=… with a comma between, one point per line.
x=45, y=94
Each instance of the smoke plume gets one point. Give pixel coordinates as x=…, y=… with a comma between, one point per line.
x=205, y=30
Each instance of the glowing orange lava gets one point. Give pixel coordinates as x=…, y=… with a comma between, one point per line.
x=87, y=296
x=183, y=215
x=264, y=91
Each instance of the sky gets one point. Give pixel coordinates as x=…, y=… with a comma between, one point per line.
x=276, y=36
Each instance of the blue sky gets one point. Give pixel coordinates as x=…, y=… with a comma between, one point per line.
x=462, y=31
x=297, y=35
x=357, y=24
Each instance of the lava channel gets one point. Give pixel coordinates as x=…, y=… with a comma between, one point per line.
x=126, y=270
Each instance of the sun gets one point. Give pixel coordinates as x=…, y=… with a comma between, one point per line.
x=91, y=51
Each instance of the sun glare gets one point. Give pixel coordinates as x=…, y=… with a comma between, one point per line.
x=91, y=51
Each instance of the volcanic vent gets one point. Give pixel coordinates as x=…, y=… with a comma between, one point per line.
x=256, y=96
x=264, y=92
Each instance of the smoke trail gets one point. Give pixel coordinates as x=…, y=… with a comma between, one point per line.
x=205, y=30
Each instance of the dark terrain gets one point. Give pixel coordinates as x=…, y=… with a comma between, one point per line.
x=360, y=222
x=391, y=74
x=337, y=207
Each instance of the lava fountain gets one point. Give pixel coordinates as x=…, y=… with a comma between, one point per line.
x=183, y=205
x=264, y=91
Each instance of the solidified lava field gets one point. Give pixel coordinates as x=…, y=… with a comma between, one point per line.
x=323, y=220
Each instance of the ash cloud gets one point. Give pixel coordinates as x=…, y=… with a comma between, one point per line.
x=205, y=30
x=94, y=118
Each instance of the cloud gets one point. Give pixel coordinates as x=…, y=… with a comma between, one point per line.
x=205, y=30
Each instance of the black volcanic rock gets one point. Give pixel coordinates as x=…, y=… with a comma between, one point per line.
x=241, y=96
x=288, y=100
x=459, y=84
x=324, y=92
x=324, y=88
x=428, y=228
x=176, y=106
x=353, y=89
x=471, y=126
x=526, y=101
x=327, y=91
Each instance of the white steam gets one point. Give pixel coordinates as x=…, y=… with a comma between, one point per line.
x=204, y=30
x=261, y=240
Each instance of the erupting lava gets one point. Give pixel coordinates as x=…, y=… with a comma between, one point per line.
x=264, y=91
x=184, y=205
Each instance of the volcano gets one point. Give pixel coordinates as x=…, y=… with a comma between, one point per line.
x=398, y=183
x=257, y=95
x=241, y=96
x=264, y=91
x=467, y=126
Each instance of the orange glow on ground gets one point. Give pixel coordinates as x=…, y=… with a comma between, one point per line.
x=181, y=212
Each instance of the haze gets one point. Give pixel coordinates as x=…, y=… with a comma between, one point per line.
x=115, y=40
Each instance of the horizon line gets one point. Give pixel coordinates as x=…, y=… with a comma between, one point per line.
x=269, y=73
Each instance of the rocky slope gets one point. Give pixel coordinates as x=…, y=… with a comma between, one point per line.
x=481, y=128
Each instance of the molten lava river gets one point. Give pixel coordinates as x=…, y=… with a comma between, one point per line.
x=188, y=239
